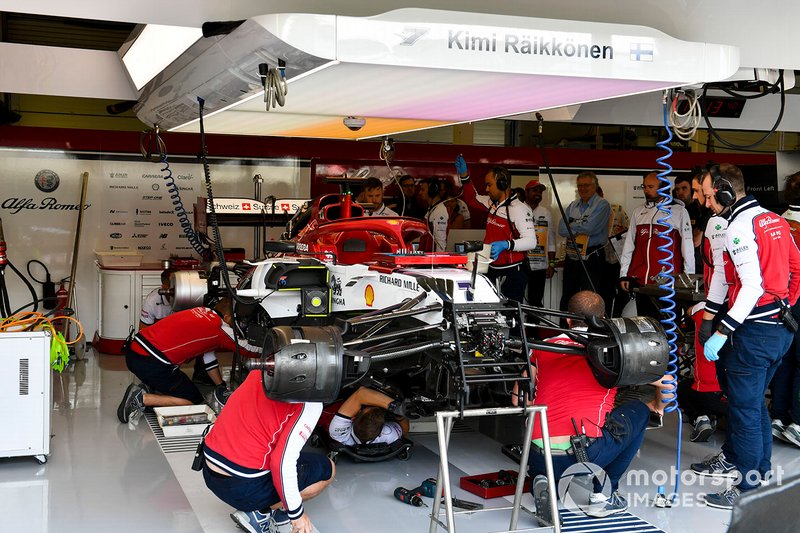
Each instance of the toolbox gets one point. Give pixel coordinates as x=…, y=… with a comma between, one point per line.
x=184, y=420
x=493, y=484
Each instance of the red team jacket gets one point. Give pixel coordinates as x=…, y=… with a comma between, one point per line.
x=640, y=254
x=255, y=436
x=185, y=335
x=763, y=266
x=705, y=371
x=510, y=220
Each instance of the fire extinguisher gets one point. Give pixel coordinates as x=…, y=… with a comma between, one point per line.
x=61, y=303
x=61, y=297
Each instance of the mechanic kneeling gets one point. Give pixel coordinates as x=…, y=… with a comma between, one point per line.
x=155, y=356
x=252, y=459
x=574, y=398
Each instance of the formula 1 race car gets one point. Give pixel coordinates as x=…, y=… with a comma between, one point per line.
x=347, y=300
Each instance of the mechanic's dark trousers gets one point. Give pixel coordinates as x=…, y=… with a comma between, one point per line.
x=514, y=280
x=695, y=403
x=614, y=297
x=613, y=451
x=785, y=386
x=575, y=279
x=648, y=306
x=536, y=281
x=746, y=365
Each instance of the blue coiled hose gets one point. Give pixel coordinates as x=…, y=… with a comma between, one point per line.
x=180, y=211
x=668, y=301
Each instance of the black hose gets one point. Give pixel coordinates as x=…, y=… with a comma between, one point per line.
x=49, y=300
x=779, y=85
x=212, y=215
x=560, y=206
x=6, y=304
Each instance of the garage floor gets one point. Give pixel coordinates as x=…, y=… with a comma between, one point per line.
x=104, y=476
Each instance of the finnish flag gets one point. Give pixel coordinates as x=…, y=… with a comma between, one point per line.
x=641, y=52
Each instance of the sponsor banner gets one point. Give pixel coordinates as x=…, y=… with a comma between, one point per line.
x=128, y=207
x=245, y=206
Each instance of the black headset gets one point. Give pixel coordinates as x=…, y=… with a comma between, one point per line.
x=723, y=190
x=434, y=187
x=502, y=178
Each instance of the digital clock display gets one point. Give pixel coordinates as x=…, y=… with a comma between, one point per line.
x=717, y=106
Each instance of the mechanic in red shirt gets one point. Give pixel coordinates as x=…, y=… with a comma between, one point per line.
x=509, y=228
x=701, y=396
x=156, y=353
x=252, y=459
x=567, y=386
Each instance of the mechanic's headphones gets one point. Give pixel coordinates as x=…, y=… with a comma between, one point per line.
x=502, y=178
x=723, y=190
x=434, y=187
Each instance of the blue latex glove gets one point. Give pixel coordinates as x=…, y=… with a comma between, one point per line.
x=461, y=165
x=498, y=247
x=712, y=346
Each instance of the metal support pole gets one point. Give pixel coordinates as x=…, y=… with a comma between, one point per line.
x=523, y=463
x=258, y=241
x=551, y=479
x=443, y=428
x=444, y=425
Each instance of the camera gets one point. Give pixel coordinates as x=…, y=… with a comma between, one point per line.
x=354, y=123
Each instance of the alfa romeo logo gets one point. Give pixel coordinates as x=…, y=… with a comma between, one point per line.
x=46, y=180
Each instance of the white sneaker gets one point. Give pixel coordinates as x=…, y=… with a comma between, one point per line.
x=792, y=434
x=614, y=505
x=778, y=428
x=598, y=497
x=254, y=522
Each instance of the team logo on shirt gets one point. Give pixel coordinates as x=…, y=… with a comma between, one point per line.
x=736, y=240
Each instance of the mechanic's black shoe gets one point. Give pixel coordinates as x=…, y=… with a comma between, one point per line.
x=132, y=405
x=221, y=395
x=715, y=466
x=703, y=429
x=541, y=498
x=723, y=500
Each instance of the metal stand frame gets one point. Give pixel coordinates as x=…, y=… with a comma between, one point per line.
x=444, y=425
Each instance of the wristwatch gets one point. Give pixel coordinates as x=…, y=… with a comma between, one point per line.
x=724, y=330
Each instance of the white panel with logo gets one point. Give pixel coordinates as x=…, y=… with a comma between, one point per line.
x=128, y=209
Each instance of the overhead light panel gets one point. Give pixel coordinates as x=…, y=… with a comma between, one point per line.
x=152, y=47
x=417, y=68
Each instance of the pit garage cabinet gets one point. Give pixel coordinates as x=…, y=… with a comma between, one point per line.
x=25, y=394
x=122, y=291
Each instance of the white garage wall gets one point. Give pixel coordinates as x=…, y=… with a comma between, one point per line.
x=127, y=207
